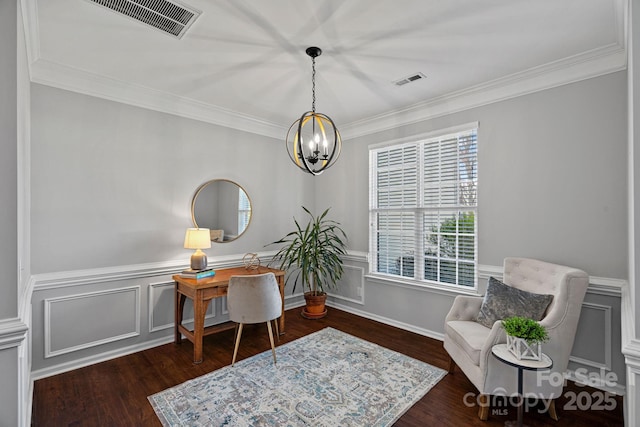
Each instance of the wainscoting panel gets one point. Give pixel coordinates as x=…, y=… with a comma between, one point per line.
x=592, y=345
x=162, y=307
x=351, y=285
x=132, y=307
x=80, y=321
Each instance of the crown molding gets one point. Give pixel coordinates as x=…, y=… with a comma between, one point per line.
x=573, y=69
x=64, y=77
x=579, y=67
x=597, y=62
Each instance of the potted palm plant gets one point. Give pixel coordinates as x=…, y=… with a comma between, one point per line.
x=524, y=337
x=314, y=253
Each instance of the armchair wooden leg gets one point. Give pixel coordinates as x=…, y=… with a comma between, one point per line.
x=275, y=322
x=452, y=365
x=483, y=412
x=552, y=410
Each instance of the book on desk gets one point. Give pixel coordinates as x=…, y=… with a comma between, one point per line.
x=198, y=274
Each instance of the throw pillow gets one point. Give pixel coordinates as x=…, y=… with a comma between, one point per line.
x=502, y=301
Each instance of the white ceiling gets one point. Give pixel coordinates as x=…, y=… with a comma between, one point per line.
x=243, y=63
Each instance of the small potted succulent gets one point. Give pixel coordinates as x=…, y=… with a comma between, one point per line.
x=525, y=337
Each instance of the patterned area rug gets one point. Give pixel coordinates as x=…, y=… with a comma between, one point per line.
x=328, y=378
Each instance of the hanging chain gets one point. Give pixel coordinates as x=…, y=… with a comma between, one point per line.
x=313, y=84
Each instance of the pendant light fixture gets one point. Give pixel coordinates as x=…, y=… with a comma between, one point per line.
x=313, y=142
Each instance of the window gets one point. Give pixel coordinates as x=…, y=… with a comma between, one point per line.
x=244, y=211
x=423, y=208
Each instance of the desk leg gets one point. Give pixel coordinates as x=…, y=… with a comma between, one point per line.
x=199, y=311
x=179, y=310
x=281, y=320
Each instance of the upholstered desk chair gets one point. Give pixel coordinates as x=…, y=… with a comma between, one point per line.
x=254, y=299
x=469, y=343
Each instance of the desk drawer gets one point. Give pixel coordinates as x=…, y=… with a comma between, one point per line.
x=218, y=291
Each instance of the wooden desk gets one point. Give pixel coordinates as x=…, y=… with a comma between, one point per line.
x=201, y=292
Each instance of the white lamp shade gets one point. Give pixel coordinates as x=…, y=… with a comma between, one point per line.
x=197, y=238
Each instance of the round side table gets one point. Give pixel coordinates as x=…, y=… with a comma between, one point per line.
x=501, y=352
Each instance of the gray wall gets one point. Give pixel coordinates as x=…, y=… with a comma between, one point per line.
x=9, y=355
x=112, y=184
x=552, y=186
x=111, y=189
x=8, y=165
x=552, y=176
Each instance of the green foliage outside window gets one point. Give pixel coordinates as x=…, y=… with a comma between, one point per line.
x=451, y=243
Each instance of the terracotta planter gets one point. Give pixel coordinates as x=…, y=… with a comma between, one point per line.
x=315, y=305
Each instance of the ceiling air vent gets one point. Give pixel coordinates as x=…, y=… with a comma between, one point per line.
x=410, y=79
x=167, y=16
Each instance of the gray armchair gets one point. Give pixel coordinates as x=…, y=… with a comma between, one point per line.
x=469, y=343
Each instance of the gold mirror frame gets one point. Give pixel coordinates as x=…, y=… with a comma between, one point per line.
x=213, y=223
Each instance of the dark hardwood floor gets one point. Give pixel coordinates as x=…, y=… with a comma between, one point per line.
x=114, y=393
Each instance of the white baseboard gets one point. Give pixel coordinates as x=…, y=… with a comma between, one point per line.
x=102, y=357
x=405, y=326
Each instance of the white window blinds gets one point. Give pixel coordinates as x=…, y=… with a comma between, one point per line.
x=244, y=210
x=423, y=209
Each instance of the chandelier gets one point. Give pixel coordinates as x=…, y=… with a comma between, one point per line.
x=313, y=142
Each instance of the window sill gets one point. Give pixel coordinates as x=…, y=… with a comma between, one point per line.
x=422, y=286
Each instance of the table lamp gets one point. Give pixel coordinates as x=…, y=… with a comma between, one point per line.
x=198, y=239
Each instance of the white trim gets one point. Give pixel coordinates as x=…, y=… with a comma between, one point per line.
x=597, y=285
x=48, y=302
x=25, y=284
x=594, y=63
x=31, y=28
x=357, y=256
x=631, y=414
x=12, y=333
x=64, y=279
x=46, y=281
x=150, y=306
x=598, y=383
x=387, y=321
x=606, y=286
x=421, y=286
x=591, y=64
x=208, y=314
x=486, y=271
x=72, y=79
x=97, y=358
x=630, y=344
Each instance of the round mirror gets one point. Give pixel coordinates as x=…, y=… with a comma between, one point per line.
x=223, y=207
